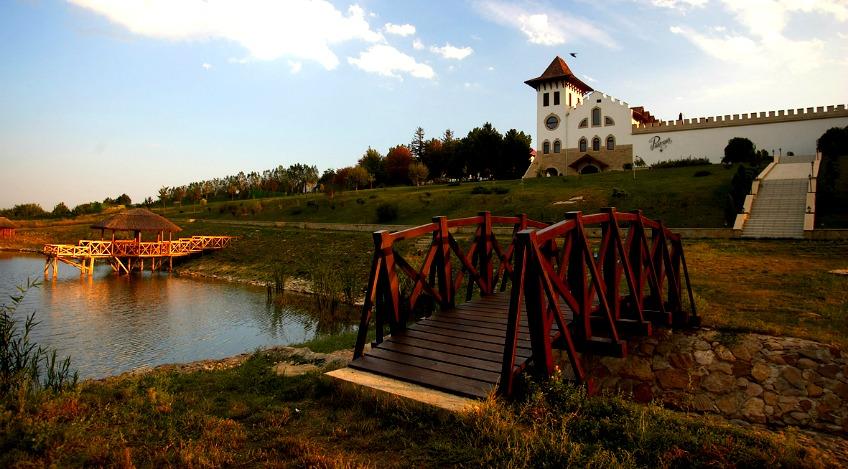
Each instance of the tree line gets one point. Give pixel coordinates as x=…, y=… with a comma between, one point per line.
x=484, y=153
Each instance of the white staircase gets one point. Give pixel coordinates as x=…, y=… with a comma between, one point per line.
x=781, y=203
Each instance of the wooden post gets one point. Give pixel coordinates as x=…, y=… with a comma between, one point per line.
x=443, y=264
x=484, y=254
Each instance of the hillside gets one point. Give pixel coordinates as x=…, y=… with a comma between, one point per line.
x=675, y=196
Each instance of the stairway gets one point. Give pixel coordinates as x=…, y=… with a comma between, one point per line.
x=780, y=204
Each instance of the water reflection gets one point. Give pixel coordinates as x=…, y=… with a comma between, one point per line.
x=109, y=324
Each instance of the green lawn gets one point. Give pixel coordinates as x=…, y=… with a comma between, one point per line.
x=675, y=196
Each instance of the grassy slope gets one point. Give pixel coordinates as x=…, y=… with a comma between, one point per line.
x=673, y=195
x=248, y=416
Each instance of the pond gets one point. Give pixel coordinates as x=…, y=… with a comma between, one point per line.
x=109, y=324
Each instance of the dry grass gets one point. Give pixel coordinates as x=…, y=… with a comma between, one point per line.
x=775, y=287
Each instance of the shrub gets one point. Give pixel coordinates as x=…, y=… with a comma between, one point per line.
x=360, y=201
x=627, y=166
x=453, y=183
x=312, y=204
x=619, y=193
x=481, y=190
x=681, y=163
x=702, y=173
x=296, y=210
x=387, y=212
x=500, y=190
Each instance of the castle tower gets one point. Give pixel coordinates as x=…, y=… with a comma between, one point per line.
x=558, y=91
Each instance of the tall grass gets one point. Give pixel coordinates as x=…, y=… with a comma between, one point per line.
x=25, y=366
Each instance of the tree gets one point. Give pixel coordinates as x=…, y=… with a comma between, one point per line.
x=123, y=199
x=739, y=150
x=480, y=148
x=515, y=156
x=417, y=144
x=358, y=177
x=374, y=163
x=61, y=210
x=418, y=172
x=163, y=195
x=397, y=164
x=434, y=158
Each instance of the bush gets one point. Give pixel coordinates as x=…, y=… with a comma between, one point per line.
x=312, y=204
x=500, y=190
x=702, y=173
x=387, y=212
x=627, y=166
x=681, y=163
x=481, y=190
x=619, y=193
x=360, y=201
x=741, y=150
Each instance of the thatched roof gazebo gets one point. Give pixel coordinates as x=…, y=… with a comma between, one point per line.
x=137, y=220
x=7, y=228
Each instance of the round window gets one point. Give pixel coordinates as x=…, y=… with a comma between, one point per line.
x=552, y=122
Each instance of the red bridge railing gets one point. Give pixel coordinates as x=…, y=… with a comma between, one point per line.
x=577, y=293
x=485, y=261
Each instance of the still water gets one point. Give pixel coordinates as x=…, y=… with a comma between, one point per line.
x=109, y=324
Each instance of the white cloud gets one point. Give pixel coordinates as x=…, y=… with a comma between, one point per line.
x=678, y=4
x=207, y=66
x=451, y=52
x=385, y=60
x=765, y=45
x=491, y=69
x=546, y=26
x=295, y=67
x=402, y=30
x=267, y=29
x=589, y=79
x=417, y=44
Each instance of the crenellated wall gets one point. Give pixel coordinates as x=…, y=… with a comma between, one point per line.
x=754, y=118
x=787, y=131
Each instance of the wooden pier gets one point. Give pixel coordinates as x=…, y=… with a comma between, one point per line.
x=567, y=292
x=127, y=255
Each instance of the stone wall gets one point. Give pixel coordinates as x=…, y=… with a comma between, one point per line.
x=777, y=381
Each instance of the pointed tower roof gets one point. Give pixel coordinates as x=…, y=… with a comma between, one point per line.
x=556, y=71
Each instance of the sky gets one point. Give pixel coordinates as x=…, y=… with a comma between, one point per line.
x=100, y=97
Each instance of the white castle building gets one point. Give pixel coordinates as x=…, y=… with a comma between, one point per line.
x=580, y=130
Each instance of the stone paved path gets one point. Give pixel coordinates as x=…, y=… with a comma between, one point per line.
x=780, y=204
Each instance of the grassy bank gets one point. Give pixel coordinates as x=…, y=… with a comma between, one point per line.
x=250, y=416
x=674, y=195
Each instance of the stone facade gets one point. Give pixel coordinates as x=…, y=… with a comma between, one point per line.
x=776, y=381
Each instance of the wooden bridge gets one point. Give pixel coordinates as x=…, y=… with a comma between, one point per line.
x=568, y=291
x=127, y=255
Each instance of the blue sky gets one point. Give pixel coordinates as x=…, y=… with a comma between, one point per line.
x=103, y=97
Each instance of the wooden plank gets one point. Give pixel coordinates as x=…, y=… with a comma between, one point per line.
x=469, y=329
x=476, y=317
x=468, y=321
x=437, y=361
x=462, y=335
x=433, y=379
x=453, y=349
x=466, y=342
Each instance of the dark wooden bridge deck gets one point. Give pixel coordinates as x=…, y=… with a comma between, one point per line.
x=459, y=351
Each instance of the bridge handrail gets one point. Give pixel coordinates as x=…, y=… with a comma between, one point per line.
x=435, y=276
x=549, y=277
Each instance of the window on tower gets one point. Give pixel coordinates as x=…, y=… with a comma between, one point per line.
x=610, y=143
x=596, y=144
x=546, y=99
x=608, y=120
x=557, y=146
x=569, y=99
x=552, y=122
x=583, y=144
x=583, y=124
x=556, y=98
x=546, y=147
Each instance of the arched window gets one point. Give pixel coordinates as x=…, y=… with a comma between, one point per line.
x=608, y=120
x=546, y=147
x=590, y=169
x=596, y=117
x=596, y=144
x=583, y=124
x=557, y=146
x=583, y=144
x=610, y=143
